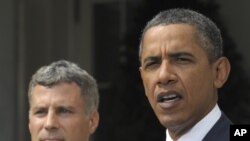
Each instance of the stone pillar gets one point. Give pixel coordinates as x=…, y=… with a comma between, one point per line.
x=8, y=97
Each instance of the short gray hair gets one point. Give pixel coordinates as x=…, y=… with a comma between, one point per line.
x=209, y=35
x=65, y=71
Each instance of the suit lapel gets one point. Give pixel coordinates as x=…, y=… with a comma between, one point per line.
x=220, y=131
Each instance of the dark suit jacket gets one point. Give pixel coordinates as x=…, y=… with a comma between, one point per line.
x=220, y=131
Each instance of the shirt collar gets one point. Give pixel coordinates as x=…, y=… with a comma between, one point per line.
x=195, y=133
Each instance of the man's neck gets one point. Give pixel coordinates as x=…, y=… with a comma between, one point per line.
x=175, y=135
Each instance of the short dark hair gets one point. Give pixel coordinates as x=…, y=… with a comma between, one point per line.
x=209, y=35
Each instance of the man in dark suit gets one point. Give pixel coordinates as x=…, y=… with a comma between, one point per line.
x=182, y=66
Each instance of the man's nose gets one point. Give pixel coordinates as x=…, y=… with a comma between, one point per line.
x=51, y=122
x=167, y=74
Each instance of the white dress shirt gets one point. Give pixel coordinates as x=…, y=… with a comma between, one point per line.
x=200, y=129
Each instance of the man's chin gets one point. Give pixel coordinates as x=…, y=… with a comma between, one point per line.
x=170, y=122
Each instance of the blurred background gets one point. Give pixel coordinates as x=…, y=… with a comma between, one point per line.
x=102, y=36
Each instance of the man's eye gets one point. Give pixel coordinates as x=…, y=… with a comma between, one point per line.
x=150, y=65
x=64, y=111
x=40, y=112
x=183, y=60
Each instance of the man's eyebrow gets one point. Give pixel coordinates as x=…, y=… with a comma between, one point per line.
x=180, y=54
x=171, y=55
x=151, y=58
x=37, y=108
x=66, y=106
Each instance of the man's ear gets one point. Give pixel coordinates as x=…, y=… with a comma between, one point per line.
x=93, y=122
x=29, y=125
x=140, y=70
x=221, y=71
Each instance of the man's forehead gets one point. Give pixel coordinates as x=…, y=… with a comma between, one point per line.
x=53, y=106
x=52, y=95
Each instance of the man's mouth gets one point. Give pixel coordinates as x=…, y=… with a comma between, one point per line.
x=169, y=96
x=52, y=139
